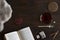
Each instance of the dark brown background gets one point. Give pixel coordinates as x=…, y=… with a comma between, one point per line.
x=30, y=11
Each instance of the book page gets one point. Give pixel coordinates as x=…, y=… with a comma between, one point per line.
x=25, y=34
x=12, y=36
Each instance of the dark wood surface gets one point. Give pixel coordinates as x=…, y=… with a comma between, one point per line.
x=30, y=11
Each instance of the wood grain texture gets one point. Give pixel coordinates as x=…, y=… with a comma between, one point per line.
x=30, y=11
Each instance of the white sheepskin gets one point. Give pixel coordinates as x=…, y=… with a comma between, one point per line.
x=5, y=13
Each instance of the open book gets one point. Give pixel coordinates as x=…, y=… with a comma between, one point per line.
x=23, y=34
